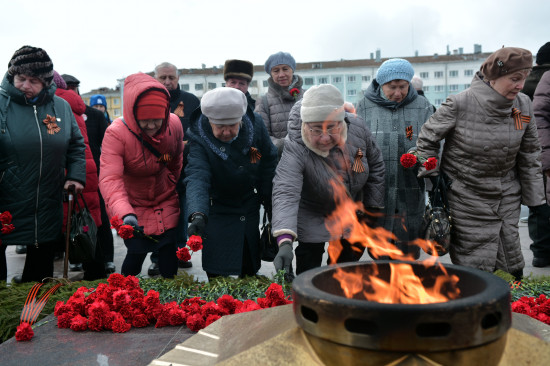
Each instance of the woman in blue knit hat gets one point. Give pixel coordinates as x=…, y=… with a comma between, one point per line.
x=394, y=113
x=285, y=88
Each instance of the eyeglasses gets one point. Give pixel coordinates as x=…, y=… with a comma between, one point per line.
x=319, y=131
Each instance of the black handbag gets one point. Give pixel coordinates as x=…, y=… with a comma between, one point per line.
x=268, y=243
x=437, y=223
x=83, y=234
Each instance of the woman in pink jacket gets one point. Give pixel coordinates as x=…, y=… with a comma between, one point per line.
x=141, y=161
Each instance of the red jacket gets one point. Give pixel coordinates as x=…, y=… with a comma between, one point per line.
x=131, y=179
x=90, y=191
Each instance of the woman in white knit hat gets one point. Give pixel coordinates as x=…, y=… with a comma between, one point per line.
x=323, y=142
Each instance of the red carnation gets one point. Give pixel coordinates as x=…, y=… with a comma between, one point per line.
x=6, y=229
x=294, y=92
x=408, y=160
x=195, y=243
x=79, y=323
x=430, y=164
x=195, y=322
x=183, y=254
x=227, y=302
x=140, y=320
x=95, y=323
x=64, y=320
x=126, y=231
x=211, y=319
x=116, y=223
x=116, y=280
x=119, y=325
x=5, y=218
x=24, y=332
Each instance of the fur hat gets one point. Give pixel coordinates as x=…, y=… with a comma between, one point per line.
x=70, y=80
x=543, y=56
x=58, y=80
x=98, y=99
x=32, y=61
x=280, y=58
x=322, y=103
x=152, y=104
x=238, y=69
x=394, y=69
x=224, y=106
x=505, y=61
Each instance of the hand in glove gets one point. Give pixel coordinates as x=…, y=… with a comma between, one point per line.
x=198, y=225
x=130, y=220
x=284, y=257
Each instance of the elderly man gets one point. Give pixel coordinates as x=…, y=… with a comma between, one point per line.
x=394, y=113
x=238, y=75
x=182, y=104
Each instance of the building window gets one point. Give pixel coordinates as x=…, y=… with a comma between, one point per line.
x=438, y=101
x=468, y=72
x=223, y=85
x=426, y=88
x=323, y=80
x=117, y=112
x=265, y=83
x=308, y=81
x=211, y=86
x=438, y=88
x=366, y=78
x=198, y=86
x=185, y=87
x=453, y=73
x=116, y=101
x=466, y=86
x=438, y=74
x=254, y=83
x=352, y=93
x=453, y=87
x=336, y=79
x=351, y=79
x=424, y=75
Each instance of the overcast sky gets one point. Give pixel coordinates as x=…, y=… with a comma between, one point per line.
x=101, y=41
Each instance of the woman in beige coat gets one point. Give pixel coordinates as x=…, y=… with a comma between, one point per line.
x=491, y=156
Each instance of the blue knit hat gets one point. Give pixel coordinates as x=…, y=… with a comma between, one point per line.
x=98, y=99
x=280, y=58
x=394, y=69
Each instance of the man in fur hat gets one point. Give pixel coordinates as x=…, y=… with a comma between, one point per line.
x=238, y=75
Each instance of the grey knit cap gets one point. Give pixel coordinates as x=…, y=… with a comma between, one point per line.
x=280, y=58
x=32, y=61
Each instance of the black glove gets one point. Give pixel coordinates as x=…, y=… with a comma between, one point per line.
x=371, y=216
x=198, y=224
x=130, y=220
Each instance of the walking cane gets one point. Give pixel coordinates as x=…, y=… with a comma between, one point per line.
x=71, y=193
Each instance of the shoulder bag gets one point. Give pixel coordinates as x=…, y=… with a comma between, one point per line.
x=83, y=234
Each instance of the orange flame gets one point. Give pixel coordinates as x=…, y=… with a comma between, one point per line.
x=404, y=285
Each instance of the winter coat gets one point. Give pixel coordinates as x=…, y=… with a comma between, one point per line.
x=131, y=179
x=533, y=79
x=35, y=162
x=493, y=164
x=274, y=108
x=302, y=193
x=541, y=108
x=388, y=121
x=226, y=184
x=90, y=192
x=96, y=125
x=183, y=104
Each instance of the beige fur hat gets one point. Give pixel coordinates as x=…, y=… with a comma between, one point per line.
x=224, y=106
x=322, y=103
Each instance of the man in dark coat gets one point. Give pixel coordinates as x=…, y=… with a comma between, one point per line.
x=182, y=104
x=537, y=222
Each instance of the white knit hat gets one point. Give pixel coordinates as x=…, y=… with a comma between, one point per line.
x=322, y=103
x=224, y=106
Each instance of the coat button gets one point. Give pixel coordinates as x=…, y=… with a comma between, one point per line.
x=241, y=167
x=485, y=148
x=243, y=218
x=222, y=148
x=505, y=149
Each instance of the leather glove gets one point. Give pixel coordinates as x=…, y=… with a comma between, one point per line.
x=284, y=257
x=372, y=217
x=130, y=220
x=198, y=225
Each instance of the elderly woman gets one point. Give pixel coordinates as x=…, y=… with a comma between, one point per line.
x=285, y=88
x=394, y=113
x=41, y=153
x=141, y=162
x=324, y=142
x=492, y=158
x=229, y=174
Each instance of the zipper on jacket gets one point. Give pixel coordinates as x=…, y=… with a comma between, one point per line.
x=39, y=178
